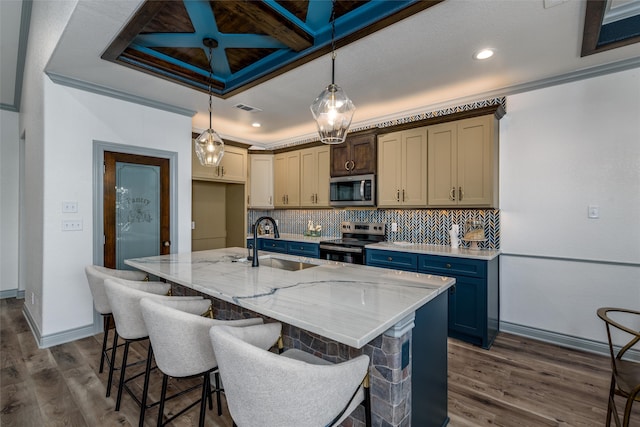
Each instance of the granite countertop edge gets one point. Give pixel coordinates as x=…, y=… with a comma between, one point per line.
x=441, y=250
x=418, y=248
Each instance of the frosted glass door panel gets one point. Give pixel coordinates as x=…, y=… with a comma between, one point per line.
x=137, y=212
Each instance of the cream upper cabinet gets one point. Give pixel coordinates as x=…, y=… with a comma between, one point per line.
x=232, y=168
x=314, y=177
x=261, y=181
x=286, y=172
x=402, y=168
x=463, y=163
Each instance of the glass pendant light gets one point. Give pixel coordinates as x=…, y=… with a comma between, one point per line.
x=332, y=109
x=209, y=146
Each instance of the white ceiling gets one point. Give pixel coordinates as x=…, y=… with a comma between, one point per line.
x=419, y=64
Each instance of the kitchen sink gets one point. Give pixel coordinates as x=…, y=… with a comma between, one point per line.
x=286, y=264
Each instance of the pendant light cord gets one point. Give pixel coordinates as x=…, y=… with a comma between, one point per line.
x=333, y=41
x=210, y=79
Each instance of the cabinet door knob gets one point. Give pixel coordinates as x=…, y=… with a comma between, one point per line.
x=389, y=258
x=448, y=265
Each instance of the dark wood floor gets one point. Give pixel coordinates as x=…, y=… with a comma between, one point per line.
x=519, y=382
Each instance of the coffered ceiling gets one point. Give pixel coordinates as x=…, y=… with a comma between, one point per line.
x=251, y=41
x=273, y=55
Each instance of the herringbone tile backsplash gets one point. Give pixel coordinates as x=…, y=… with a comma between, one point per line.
x=424, y=226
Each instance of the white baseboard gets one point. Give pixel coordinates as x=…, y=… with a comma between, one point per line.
x=563, y=340
x=59, y=337
x=12, y=293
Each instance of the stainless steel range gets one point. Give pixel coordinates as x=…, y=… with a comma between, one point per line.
x=350, y=248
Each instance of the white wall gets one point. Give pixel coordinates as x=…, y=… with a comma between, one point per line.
x=47, y=24
x=564, y=148
x=73, y=120
x=9, y=174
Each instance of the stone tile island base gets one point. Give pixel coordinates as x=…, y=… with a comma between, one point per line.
x=391, y=363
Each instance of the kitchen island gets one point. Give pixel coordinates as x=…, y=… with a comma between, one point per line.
x=336, y=311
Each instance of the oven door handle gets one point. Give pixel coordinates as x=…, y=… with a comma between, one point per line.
x=341, y=249
x=362, y=190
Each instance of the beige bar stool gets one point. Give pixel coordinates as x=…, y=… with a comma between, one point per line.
x=96, y=276
x=124, y=298
x=288, y=390
x=182, y=349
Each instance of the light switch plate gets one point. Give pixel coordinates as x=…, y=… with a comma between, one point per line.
x=72, y=225
x=594, y=212
x=70, y=207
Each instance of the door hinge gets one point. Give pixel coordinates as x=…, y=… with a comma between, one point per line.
x=104, y=239
x=104, y=168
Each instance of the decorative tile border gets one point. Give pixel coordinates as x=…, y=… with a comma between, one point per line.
x=420, y=226
x=413, y=118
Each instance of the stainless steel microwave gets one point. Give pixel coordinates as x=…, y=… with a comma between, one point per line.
x=354, y=190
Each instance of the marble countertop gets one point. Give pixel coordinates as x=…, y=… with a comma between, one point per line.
x=483, y=254
x=348, y=303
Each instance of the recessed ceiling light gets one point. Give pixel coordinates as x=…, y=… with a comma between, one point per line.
x=483, y=54
x=256, y=124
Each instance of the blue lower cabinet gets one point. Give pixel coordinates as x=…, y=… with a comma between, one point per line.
x=303, y=249
x=474, y=301
x=307, y=249
x=392, y=259
x=274, y=245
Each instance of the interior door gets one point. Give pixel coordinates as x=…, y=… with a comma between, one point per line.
x=136, y=208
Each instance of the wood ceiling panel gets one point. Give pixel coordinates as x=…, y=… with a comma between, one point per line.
x=172, y=18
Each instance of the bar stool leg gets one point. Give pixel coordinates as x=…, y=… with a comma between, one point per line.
x=105, y=339
x=145, y=388
x=113, y=361
x=122, y=374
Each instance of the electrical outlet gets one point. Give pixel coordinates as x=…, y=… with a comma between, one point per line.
x=69, y=207
x=72, y=225
x=593, y=212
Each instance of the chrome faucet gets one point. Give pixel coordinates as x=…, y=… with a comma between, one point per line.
x=276, y=235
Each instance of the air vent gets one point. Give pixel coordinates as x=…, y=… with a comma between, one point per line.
x=248, y=108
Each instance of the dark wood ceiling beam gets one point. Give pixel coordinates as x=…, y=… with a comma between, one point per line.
x=141, y=18
x=270, y=22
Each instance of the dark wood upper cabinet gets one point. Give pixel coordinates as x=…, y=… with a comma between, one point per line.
x=356, y=156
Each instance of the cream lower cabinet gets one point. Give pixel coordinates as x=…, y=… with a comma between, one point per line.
x=463, y=163
x=261, y=181
x=286, y=173
x=314, y=177
x=232, y=168
x=402, y=168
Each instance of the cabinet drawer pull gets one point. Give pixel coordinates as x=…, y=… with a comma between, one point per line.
x=397, y=195
x=460, y=194
x=346, y=165
x=389, y=258
x=448, y=265
x=403, y=194
x=353, y=165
